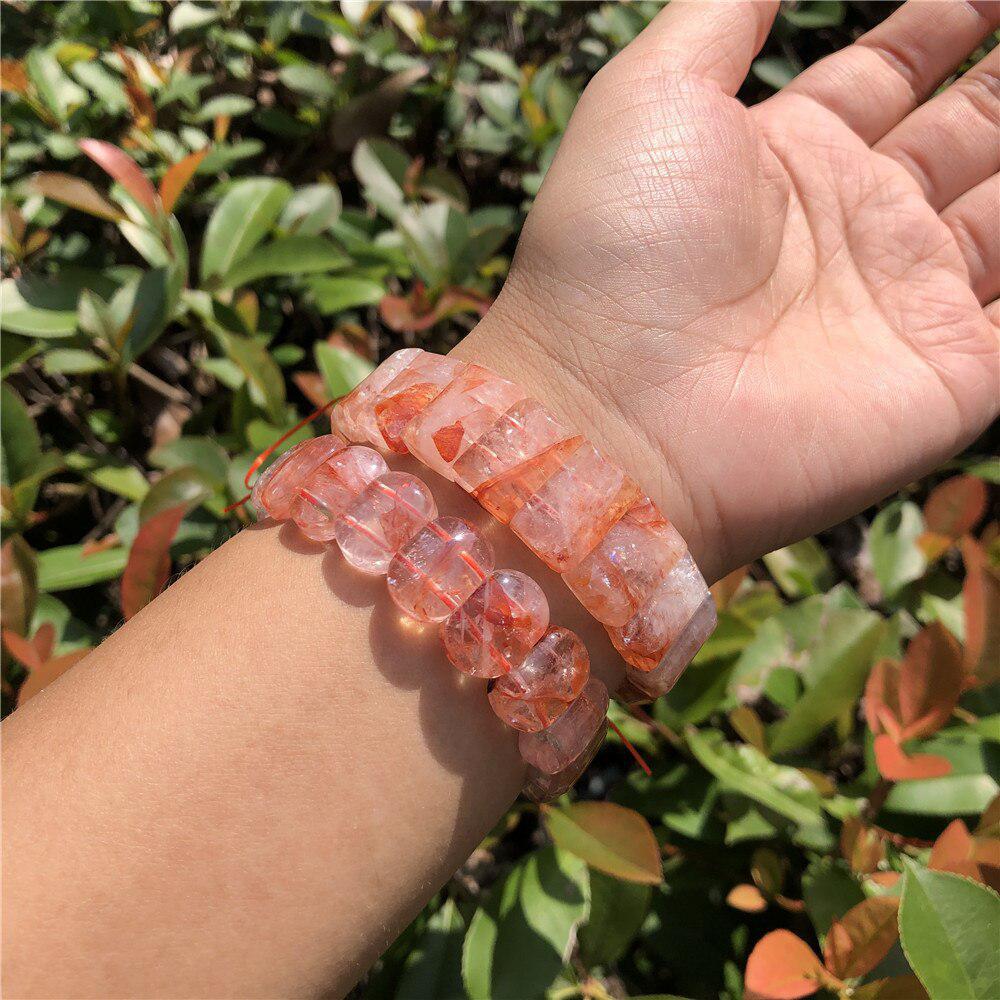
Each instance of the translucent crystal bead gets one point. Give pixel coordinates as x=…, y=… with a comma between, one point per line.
x=574, y=508
x=387, y=514
x=493, y=630
x=535, y=694
x=458, y=416
x=408, y=394
x=524, y=431
x=354, y=415
x=542, y=787
x=328, y=491
x=622, y=570
x=276, y=489
x=438, y=569
x=554, y=749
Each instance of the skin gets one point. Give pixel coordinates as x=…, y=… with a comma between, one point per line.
x=771, y=317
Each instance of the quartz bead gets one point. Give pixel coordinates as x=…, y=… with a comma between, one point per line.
x=354, y=415
x=459, y=416
x=327, y=492
x=574, y=509
x=554, y=749
x=438, y=569
x=499, y=623
x=390, y=511
x=542, y=787
x=408, y=394
x=617, y=576
x=535, y=694
x=524, y=431
x=275, y=492
x=646, y=638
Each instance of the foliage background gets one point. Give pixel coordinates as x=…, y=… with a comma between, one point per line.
x=335, y=181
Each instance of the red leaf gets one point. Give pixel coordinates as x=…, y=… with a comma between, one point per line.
x=47, y=673
x=894, y=765
x=981, y=599
x=13, y=78
x=747, y=898
x=882, y=696
x=955, y=506
x=177, y=178
x=862, y=846
x=23, y=650
x=125, y=170
x=411, y=313
x=862, y=937
x=782, y=967
x=43, y=640
x=77, y=193
x=930, y=681
x=312, y=386
x=148, y=563
x=953, y=851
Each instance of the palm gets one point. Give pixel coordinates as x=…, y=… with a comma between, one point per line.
x=778, y=307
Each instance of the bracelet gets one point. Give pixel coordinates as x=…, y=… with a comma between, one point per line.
x=577, y=511
x=494, y=625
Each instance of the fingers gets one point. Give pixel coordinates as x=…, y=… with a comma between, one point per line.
x=974, y=219
x=876, y=82
x=713, y=40
x=951, y=144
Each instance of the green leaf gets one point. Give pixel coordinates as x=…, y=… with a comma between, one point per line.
x=965, y=792
x=110, y=473
x=264, y=376
x=230, y=105
x=381, y=167
x=518, y=943
x=829, y=890
x=892, y=541
x=66, y=567
x=949, y=928
x=72, y=361
x=288, y=255
x=499, y=62
x=608, y=837
x=305, y=78
x=311, y=210
x=182, y=488
x=150, y=301
x=54, y=87
x=203, y=453
x=775, y=71
x=801, y=569
x=815, y=14
x=188, y=15
x=38, y=307
x=617, y=911
x=334, y=295
x=434, y=966
x=240, y=221
x=341, y=369
x=21, y=450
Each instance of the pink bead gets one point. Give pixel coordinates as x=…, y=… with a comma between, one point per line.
x=460, y=415
x=574, y=509
x=554, y=749
x=535, y=694
x=622, y=570
x=438, y=569
x=524, y=431
x=493, y=630
x=354, y=415
x=646, y=638
x=390, y=511
x=542, y=787
x=332, y=488
x=408, y=394
x=277, y=488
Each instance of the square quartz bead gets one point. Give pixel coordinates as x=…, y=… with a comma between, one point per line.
x=574, y=509
x=438, y=569
x=354, y=415
x=327, y=492
x=459, y=416
x=494, y=629
x=408, y=394
x=521, y=433
x=533, y=695
x=390, y=511
x=646, y=638
x=542, y=787
x=617, y=576
x=554, y=749
x=276, y=490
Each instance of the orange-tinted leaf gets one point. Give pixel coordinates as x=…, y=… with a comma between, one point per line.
x=862, y=937
x=13, y=77
x=957, y=851
x=933, y=545
x=885, y=879
x=312, y=386
x=782, y=967
x=411, y=312
x=177, y=178
x=725, y=589
x=989, y=822
x=861, y=846
x=894, y=765
x=18, y=584
x=47, y=673
x=96, y=545
x=44, y=640
x=956, y=506
x=77, y=193
x=981, y=600
x=930, y=681
x=882, y=696
x=747, y=898
x=767, y=870
x=123, y=169
x=148, y=563
x=895, y=988
x=23, y=650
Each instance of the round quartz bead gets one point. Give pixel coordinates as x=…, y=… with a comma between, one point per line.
x=494, y=629
x=332, y=488
x=438, y=569
x=276, y=490
x=535, y=694
x=390, y=511
x=554, y=749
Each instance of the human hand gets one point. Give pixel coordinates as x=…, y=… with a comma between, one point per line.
x=772, y=316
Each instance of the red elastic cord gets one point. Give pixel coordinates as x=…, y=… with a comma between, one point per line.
x=631, y=749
